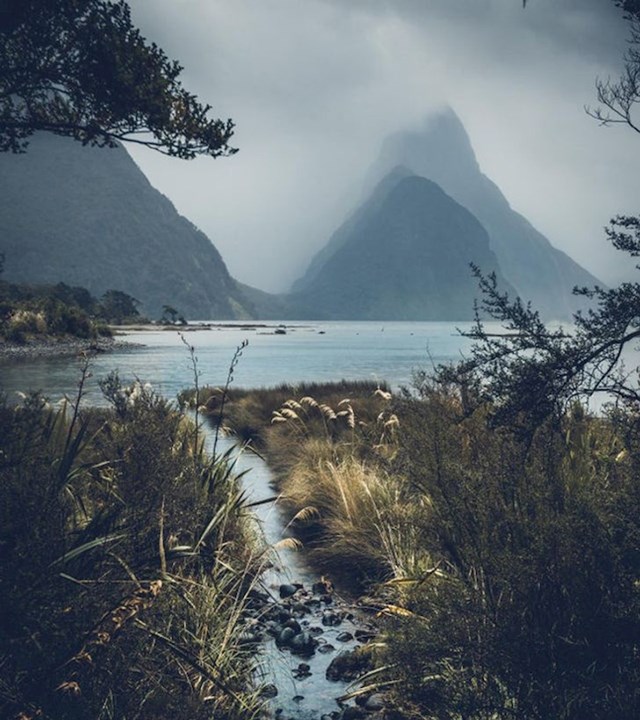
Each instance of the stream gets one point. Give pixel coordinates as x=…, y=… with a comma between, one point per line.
x=304, y=625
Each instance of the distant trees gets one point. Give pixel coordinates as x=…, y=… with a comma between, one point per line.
x=80, y=68
x=61, y=309
x=118, y=307
x=171, y=316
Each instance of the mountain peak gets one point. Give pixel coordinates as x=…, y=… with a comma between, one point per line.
x=403, y=255
x=440, y=149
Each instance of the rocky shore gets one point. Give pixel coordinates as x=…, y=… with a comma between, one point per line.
x=51, y=346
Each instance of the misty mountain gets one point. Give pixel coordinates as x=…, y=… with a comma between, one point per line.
x=88, y=216
x=351, y=225
x=403, y=255
x=442, y=152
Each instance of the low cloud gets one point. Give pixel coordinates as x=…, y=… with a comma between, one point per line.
x=315, y=86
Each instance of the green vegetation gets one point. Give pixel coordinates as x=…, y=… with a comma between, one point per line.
x=505, y=563
x=28, y=311
x=490, y=517
x=127, y=565
x=529, y=607
x=171, y=316
x=248, y=412
x=318, y=438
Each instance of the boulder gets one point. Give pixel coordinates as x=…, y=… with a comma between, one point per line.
x=349, y=665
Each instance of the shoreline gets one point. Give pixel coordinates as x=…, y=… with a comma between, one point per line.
x=52, y=347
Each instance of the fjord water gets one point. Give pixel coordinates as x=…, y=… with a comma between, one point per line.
x=315, y=352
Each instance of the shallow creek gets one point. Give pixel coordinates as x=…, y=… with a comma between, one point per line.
x=301, y=634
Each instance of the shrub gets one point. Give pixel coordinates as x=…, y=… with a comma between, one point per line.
x=533, y=610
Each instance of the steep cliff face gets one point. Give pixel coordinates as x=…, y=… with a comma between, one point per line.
x=442, y=152
x=404, y=255
x=89, y=217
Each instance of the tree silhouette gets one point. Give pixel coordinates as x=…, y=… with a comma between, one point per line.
x=80, y=68
x=619, y=99
x=530, y=372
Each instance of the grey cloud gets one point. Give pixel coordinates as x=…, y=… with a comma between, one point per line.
x=315, y=85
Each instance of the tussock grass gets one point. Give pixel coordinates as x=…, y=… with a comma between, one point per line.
x=248, y=412
x=369, y=527
x=329, y=446
x=504, y=566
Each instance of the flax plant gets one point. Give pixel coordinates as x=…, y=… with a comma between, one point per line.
x=127, y=565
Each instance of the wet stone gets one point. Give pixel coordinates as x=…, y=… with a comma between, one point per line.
x=300, y=608
x=315, y=630
x=269, y=691
x=349, y=665
x=364, y=635
x=286, y=636
x=302, y=671
x=287, y=590
x=326, y=648
x=303, y=644
x=331, y=618
x=374, y=703
x=294, y=625
x=344, y=637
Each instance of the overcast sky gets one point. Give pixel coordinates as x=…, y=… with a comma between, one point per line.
x=314, y=86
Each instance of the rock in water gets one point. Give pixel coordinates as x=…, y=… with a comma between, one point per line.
x=287, y=590
x=349, y=665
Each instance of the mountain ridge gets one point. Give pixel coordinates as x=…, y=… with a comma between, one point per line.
x=403, y=255
x=90, y=217
x=442, y=151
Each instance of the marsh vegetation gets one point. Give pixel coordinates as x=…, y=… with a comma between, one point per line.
x=127, y=564
x=502, y=560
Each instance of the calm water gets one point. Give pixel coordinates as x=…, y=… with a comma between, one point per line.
x=308, y=352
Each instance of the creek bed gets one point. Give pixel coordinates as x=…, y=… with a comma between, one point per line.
x=299, y=623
